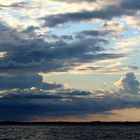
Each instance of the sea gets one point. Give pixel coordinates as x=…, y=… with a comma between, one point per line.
x=70, y=132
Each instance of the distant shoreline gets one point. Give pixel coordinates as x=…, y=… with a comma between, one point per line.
x=68, y=123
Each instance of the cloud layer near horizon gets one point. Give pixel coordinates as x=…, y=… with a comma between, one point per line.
x=53, y=100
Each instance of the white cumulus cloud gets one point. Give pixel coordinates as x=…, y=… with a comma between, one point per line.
x=128, y=83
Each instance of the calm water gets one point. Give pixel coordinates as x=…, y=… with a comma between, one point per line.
x=70, y=132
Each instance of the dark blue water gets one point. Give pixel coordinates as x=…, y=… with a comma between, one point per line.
x=69, y=132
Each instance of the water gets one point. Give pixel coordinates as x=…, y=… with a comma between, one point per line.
x=70, y=132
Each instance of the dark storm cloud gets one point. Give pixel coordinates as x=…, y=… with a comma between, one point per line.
x=29, y=103
x=38, y=93
x=34, y=102
x=125, y=7
x=36, y=55
x=24, y=81
x=26, y=108
x=20, y=81
x=60, y=65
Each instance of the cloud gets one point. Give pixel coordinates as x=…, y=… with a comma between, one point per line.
x=36, y=102
x=25, y=80
x=14, y=5
x=122, y=8
x=95, y=33
x=30, y=103
x=27, y=48
x=128, y=84
x=19, y=81
x=33, y=53
x=25, y=107
x=76, y=1
x=55, y=53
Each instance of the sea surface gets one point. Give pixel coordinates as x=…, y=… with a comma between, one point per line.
x=70, y=132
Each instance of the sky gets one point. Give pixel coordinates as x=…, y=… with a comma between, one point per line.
x=69, y=60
